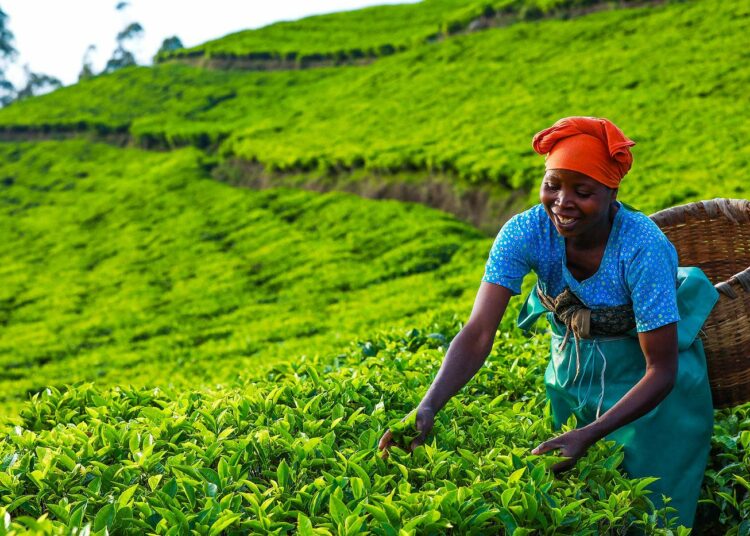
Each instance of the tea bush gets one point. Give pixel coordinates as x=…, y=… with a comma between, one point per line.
x=390, y=28
x=466, y=106
x=127, y=266
x=296, y=452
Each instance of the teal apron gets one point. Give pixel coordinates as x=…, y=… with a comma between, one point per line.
x=672, y=441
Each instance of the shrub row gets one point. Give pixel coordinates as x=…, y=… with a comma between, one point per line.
x=296, y=452
x=468, y=105
x=391, y=29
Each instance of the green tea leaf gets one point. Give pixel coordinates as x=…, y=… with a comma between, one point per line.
x=304, y=525
x=104, y=517
x=126, y=498
x=223, y=522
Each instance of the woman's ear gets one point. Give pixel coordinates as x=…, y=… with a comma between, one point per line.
x=613, y=193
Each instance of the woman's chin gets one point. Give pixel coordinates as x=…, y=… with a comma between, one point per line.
x=567, y=230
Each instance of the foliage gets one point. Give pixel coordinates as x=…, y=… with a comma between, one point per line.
x=389, y=29
x=87, y=69
x=7, y=49
x=296, y=452
x=170, y=44
x=122, y=57
x=8, y=53
x=404, y=430
x=123, y=266
x=724, y=507
x=37, y=84
x=468, y=105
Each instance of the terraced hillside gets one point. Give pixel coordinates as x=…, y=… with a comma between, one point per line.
x=365, y=34
x=237, y=352
x=466, y=107
x=124, y=266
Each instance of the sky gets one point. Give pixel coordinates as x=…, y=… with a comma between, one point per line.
x=52, y=36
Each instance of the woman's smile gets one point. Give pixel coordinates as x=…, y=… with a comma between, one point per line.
x=565, y=223
x=578, y=206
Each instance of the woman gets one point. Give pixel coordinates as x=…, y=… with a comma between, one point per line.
x=625, y=357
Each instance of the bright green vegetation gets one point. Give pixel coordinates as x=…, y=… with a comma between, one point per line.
x=372, y=31
x=212, y=327
x=468, y=105
x=126, y=266
x=404, y=430
x=297, y=449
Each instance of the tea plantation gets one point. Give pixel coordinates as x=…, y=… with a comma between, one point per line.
x=369, y=32
x=296, y=451
x=467, y=105
x=125, y=266
x=181, y=356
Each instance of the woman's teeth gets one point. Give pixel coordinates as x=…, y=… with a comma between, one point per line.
x=566, y=221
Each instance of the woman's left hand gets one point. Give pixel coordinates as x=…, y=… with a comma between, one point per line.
x=572, y=445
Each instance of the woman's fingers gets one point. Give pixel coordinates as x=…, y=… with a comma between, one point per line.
x=563, y=466
x=569, y=445
x=385, y=440
x=418, y=441
x=547, y=446
x=554, y=445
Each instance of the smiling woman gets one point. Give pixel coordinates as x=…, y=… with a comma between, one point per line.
x=582, y=210
x=608, y=276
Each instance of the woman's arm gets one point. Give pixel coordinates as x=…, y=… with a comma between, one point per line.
x=470, y=348
x=466, y=355
x=660, y=349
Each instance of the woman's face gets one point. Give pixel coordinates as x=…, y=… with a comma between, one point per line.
x=577, y=204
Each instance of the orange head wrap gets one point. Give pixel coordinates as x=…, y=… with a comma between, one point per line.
x=589, y=145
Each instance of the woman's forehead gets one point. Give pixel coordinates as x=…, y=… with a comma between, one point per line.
x=568, y=175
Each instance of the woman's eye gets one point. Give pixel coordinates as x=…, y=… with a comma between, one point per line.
x=584, y=194
x=551, y=186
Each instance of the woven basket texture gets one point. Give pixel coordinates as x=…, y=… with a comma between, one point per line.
x=715, y=236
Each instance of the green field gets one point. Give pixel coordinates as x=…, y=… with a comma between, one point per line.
x=184, y=356
x=370, y=32
x=126, y=266
x=467, y=106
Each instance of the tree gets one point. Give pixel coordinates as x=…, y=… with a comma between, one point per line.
x=170, y=44
x=122, y=57
x=37, y=84
x=8, y=54
x=87, y=70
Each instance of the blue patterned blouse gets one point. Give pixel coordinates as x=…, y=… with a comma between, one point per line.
x=639, y=265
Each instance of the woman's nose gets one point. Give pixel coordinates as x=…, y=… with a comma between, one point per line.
x=564, y=198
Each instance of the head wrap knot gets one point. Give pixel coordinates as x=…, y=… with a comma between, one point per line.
x=590, y=145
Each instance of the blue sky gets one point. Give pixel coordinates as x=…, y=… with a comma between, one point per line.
x=52, y=35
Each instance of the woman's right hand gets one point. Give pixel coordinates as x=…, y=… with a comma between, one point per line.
x=425, y=420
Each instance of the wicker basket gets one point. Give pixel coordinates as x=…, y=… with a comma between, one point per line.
x=715, y=236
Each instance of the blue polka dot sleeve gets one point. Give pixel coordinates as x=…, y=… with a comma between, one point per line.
x=508, y=262
x=652, y=280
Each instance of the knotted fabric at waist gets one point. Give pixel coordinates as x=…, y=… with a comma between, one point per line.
x=586, y=323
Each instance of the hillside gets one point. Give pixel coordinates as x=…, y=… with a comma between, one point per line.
x=181, y=355
x=467, y=106
x=126, y=266
x=365, y=34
